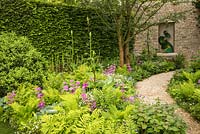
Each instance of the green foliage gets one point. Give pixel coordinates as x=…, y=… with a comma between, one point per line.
x=107, y=105
x=19, y=63
x=5, y=128
x=179, y=61
x=147, y=64
x=21, y=113
x=184, y=87
x=58, y=30
x=147, y=68
x=195, y=64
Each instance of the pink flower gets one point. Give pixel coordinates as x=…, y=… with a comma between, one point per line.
x=40, y=95
x=93, y=105
x=198, y=82
x=11, y=97
x=72, y=89
x=41, y=104
x=84, y=96
x=129, y=67
x=66, y=88
x=78, y=83
x=123, y=90
x=38, y=88
x=84, y=86
x=110, y=70
x=131, y=98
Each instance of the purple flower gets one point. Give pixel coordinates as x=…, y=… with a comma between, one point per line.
x=84, y=86
x=84, y=96
x=72, y=89
x=71, y=81
x=131, y=98
x=123, y=90
x=41, y=104
x=11, y=97
x=129, y=67
x=110, y=70
x=64, y=83
x=38, y=88
x=66, y=88
x=40, y=95
x=93, y=105
x=78, y=83
x=198, y=82
x=12, y=94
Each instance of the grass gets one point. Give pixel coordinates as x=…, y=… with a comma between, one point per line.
x=5, y=129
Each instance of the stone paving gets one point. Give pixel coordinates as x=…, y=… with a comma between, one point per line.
x=155, y=87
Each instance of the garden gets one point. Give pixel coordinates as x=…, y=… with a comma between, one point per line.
x=60, y=73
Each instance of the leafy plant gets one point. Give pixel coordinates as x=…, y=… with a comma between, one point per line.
x=179, y=61
x=195, y=64
x=19, y=63
x=184, y=87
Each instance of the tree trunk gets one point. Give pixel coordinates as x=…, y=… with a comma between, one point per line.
x=126, y=50
x=121, y=50
x=120, y=40
x=126, y=54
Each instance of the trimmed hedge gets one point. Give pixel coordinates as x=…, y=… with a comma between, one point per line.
x=49, y=27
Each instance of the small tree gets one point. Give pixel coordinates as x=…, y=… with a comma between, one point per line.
x=131, y=17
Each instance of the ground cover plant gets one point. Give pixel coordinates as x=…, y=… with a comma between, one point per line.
x=185, y=88
x=75, y=103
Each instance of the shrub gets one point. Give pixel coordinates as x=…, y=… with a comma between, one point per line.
x=179, y=61
x=19, y=63
x=184, y=87
x=195, y=64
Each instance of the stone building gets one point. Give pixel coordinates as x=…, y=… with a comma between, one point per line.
x=184, y=35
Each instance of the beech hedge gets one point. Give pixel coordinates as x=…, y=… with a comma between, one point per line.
x=50, y=27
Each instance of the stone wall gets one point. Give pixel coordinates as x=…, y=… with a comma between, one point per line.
x=187, y=34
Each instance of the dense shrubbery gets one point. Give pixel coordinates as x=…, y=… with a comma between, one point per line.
x=185, y=88
x=57, y=29
x=146, y=65
x=76, y=103
x=19, y=63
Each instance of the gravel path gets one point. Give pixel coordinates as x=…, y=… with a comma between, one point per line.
x=155, y=87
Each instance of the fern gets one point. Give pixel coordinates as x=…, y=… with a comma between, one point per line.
x=193, y=77
x=187, y=90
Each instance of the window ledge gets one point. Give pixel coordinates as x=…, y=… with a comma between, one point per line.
x=167, y=55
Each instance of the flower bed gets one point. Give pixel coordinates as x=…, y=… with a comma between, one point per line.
x=78, y=103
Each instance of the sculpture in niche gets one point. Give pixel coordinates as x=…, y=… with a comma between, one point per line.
x=165, y=44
